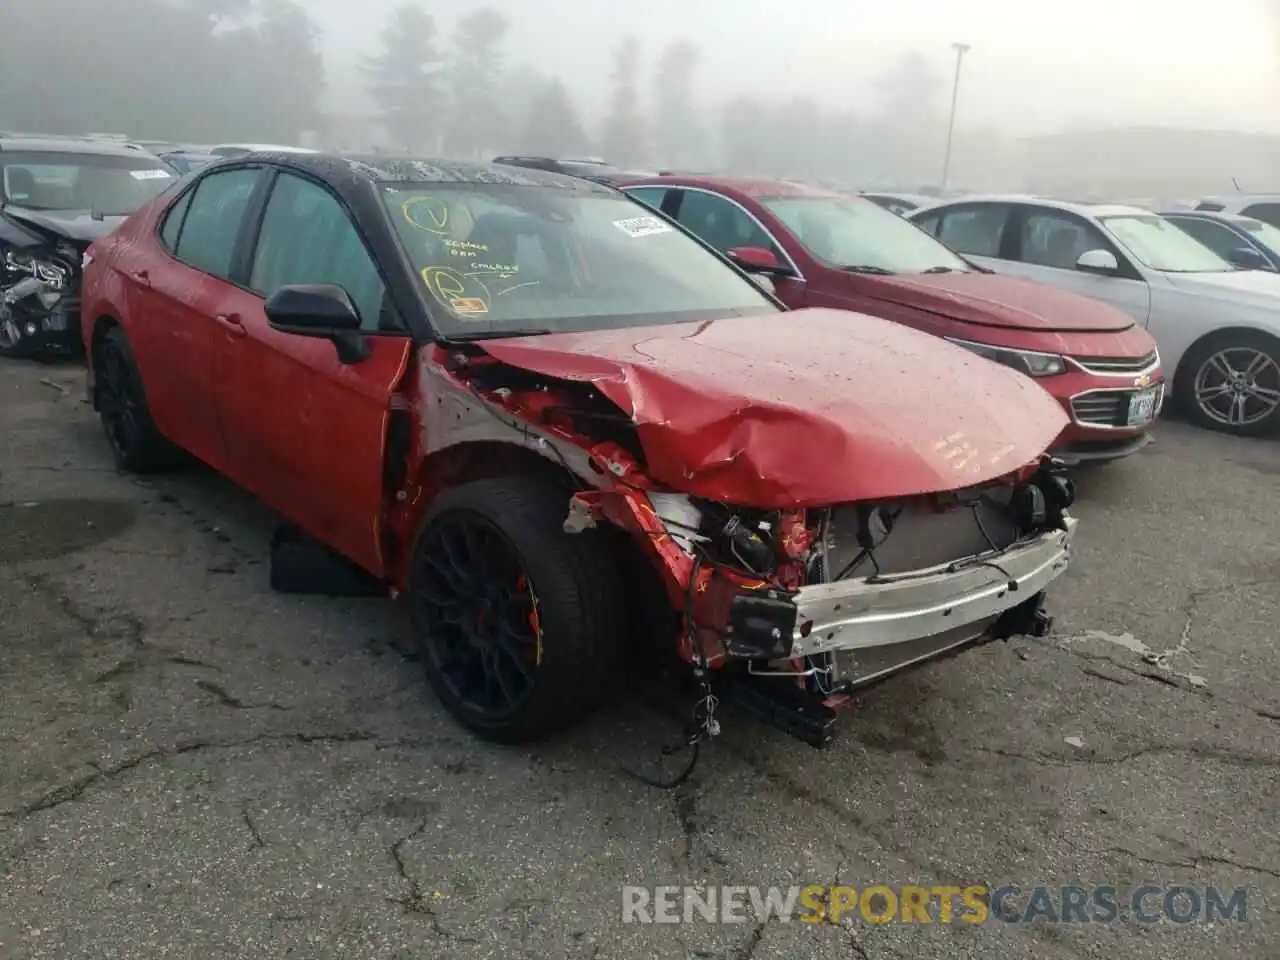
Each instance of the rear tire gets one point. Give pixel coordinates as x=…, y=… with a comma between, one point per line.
x=1226, y=366
x=136, y=444
x=497, y=586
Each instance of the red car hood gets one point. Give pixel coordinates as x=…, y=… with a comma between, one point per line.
x=805, y=408
x=992, y=300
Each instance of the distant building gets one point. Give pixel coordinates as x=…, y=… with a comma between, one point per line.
x=1163, y=164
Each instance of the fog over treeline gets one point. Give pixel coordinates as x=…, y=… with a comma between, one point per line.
x=458, y=84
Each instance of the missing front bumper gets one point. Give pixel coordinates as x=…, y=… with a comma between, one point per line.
x=959, y=600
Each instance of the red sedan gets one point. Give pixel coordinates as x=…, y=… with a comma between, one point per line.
x=824, y=249
x=566, y=431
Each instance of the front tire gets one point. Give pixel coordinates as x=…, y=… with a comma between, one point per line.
x=136, y=444
x=1231, y=383
x=520, y=624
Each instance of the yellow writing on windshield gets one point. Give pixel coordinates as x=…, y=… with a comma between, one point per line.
x=427, y=213
x=463, y=295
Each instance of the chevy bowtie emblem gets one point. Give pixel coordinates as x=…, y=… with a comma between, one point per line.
x=1143, y=380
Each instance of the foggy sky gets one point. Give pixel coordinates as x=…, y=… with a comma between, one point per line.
x=1034, y=66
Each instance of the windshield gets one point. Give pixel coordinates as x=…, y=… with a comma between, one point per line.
x=499, y=258
x=1161, y=245
x=102, y=184
x=1265, y=233
x=860, y=233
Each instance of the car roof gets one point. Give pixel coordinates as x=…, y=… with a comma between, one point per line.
x=383, y=168
x=104, y=148
x=754, y=187
x=1222, y=215
x=1239, y=199
x=1082, y=208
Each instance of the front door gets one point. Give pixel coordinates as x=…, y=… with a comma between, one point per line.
x=304, y=431
x=1046, y=245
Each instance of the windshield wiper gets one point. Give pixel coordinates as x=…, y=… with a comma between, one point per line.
x=865, y=268
x=942, y=270
x=495, y=335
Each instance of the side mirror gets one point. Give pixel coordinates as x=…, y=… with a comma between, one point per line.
x=321, y=310
x=1098, y=261
x=756, y=260
x=1247, y=258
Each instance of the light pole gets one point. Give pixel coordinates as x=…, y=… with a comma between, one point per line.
x=961, y=49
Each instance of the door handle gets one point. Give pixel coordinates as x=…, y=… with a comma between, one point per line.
x=231, y=323
x=141, y=277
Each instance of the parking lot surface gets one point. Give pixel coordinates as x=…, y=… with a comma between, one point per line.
x=194, y=766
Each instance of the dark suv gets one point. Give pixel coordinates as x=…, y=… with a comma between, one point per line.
x=58, y=195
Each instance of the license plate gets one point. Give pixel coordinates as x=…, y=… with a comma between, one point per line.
x=1142, y=406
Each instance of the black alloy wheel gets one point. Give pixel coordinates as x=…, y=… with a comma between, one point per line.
x=136, y=444
x=478, y=607
x=521, y=626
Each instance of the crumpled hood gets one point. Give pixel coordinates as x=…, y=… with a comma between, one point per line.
x=78, y=226
x=804, y=408
x=995, y=300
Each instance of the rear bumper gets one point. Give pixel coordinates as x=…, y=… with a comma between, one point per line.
x=857, y=614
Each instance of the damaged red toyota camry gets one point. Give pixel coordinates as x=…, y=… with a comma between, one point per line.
x=564, y=429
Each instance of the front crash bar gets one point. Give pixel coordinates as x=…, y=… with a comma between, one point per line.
x=855, y=614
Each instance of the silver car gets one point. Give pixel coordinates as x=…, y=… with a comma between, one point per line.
x=1217, y=326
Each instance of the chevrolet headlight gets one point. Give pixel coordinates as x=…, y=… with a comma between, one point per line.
x=1024, y=361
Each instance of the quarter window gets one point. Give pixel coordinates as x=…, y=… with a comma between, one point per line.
x=308, y=238
x=173, y=221
x=209, y=230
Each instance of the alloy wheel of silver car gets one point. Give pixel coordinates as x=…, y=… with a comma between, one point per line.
x=1238, y=386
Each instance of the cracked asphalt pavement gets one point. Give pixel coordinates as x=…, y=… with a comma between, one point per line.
x=194, y=766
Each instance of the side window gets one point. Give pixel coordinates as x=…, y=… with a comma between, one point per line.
x=173, y=222
x=307, y=237
x=1213, y=235
x=722, y=224
x=1266, y=212
x=650, y=196
x=212, y=223
x=1051, y=238
x=974, y=230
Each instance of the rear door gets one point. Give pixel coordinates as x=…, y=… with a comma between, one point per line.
x=304, y=431
x=175, y=297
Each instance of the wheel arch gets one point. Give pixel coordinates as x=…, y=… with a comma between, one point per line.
x=102, y=325
x=1220, y=333
x=461, y=463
